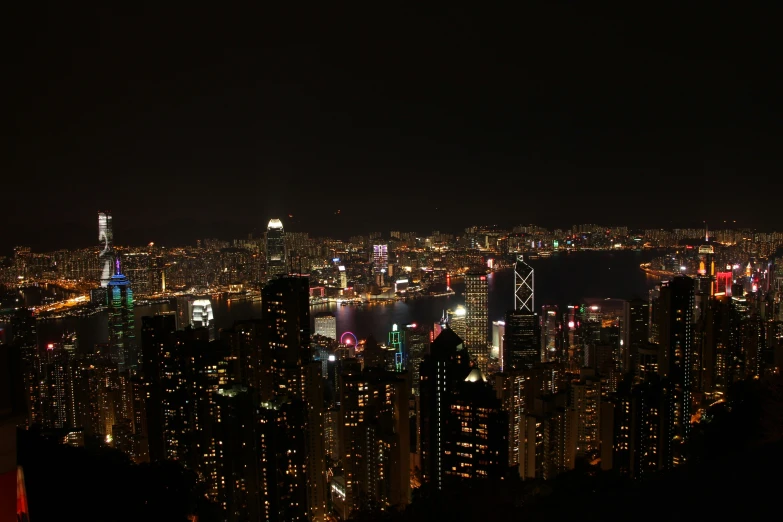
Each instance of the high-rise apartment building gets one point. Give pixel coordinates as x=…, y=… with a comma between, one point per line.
x=292, y=422
x=276, y=259
x=374, y=439
x=477, y=317
x=674, y=362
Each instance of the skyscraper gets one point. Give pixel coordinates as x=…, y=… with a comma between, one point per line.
x=374, y=438
x=201, y=316
x=477, y=317
x=106, y=240
x=276, y=259
x=524, y=298
x=292, y=414
x=122, y=336
x=676, y=344
x=522, y=342
x=380, y=258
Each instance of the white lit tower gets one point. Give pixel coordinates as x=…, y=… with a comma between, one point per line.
x=106, y=240
x=522, y=345
x=523, y=286
x=276, y=262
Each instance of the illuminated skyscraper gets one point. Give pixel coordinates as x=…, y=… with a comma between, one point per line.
x=498, y=332
x=380, y=258
x=524, y=299
x=106, y=240
x=477, y=317
x=326, y=325
x=276, y=260
x=122, y=336
x=456, y=321
x=201, y=316
x=550, y=333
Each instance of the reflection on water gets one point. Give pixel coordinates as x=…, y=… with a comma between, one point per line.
x=561, y=279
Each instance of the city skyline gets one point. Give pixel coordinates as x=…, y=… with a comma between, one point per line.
x=43, y=243
x=391, y=263
x=217, y=130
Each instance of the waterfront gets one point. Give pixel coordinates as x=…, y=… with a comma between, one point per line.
x=560, y=279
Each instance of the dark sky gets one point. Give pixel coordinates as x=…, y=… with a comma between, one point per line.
x=207, y=121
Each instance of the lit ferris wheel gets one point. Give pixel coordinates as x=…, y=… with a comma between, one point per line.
x=349, y=339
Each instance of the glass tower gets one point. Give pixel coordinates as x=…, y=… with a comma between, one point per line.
x=276, y=263
x=122, y=337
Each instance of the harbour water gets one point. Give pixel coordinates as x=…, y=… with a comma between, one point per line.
x=560, y=279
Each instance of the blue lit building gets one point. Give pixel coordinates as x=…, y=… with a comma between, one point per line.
x=122, y=337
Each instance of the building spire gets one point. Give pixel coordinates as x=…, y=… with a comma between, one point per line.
x=117, y=270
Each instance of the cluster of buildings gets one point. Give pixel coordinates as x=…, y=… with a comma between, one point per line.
x=284, y=424
x=369, y=265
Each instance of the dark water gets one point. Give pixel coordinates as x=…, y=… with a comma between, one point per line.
x=560, y=279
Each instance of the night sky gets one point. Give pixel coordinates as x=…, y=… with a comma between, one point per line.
x=207, y=121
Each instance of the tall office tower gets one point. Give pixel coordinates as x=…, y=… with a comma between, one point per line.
x=524, y=298
x=122, y=335
x=294, y=415
x=674, y=364
x=638, y=312
x=477, y=318
x=522, y=342
x=550, y=333
x=418, y=342
x=457, y=321
x=343, y=276
x=706, y=272
x=442, y=370
x=201, y=316
x=106, y=240
x=158, y=345
x=374, y=440
x=380, y=258
x=397, y=346
x=498, y=332
x=326, y=325
x=276, y=259
x=57, y=401
x=236, y=454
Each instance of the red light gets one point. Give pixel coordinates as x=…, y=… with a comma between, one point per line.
x=483, y=278
x=50, y=346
